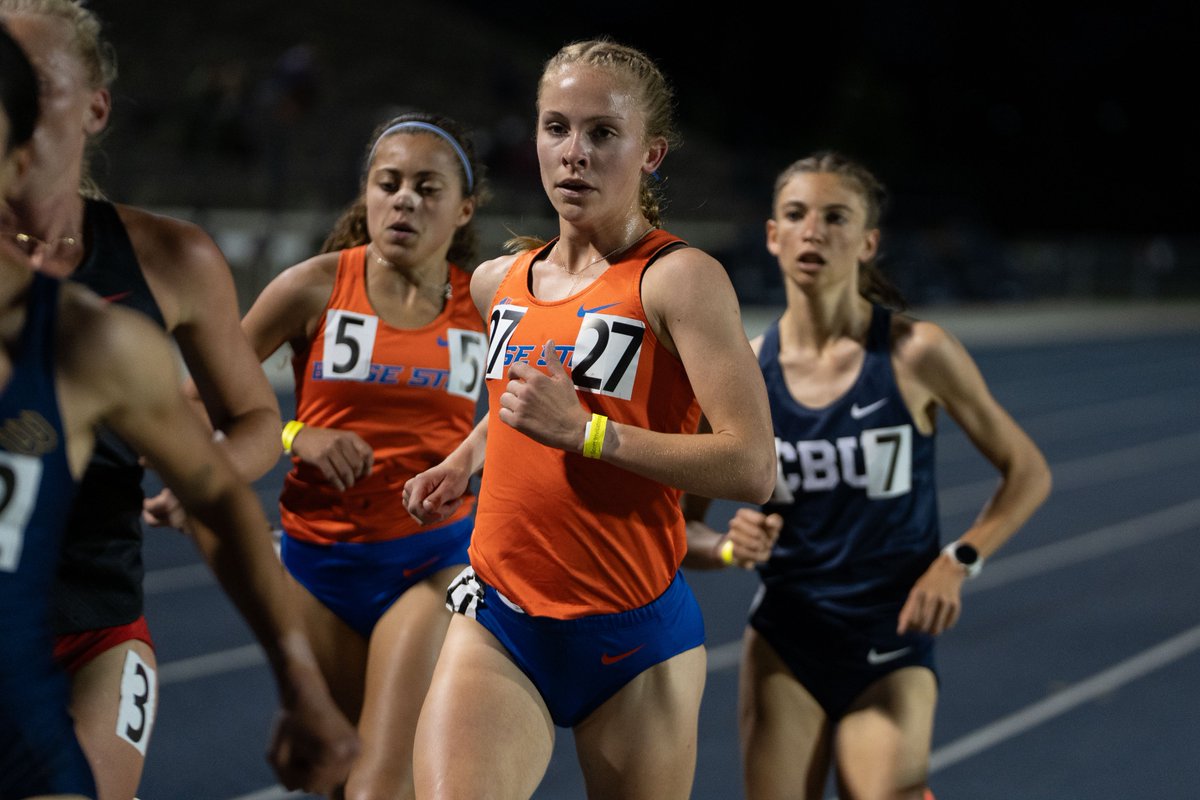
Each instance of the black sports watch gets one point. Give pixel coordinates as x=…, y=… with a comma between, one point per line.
x=966, y=556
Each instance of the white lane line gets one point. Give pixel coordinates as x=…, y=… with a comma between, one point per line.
x=1180, y=518
x=186, y=669
x=1005, y=728
x=1086, y=471
x=1063, y=701
x=270, y=793
x=1103, y=541
x=1086, y=419
x=952, y=500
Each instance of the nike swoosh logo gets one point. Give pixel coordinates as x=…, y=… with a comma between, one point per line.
x=408, y=573
x=875, y=658
x=607, y=660
x=583, y=311
x=859, y=413
x=116, y=298
x=442, y=342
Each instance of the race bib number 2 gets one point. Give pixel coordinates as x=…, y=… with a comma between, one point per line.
x=19, y=480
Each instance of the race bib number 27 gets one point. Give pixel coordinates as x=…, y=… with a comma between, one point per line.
x=604, y=359
x=606, y=354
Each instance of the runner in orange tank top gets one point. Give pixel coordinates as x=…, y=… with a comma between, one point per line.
x=618, y=364
x=388, y=351
x=604, y=347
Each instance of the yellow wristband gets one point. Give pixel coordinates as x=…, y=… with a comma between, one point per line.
x=727, y=553
x=593, y=436
x=289, y=434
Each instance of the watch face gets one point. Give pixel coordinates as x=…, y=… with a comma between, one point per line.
x=966, y=554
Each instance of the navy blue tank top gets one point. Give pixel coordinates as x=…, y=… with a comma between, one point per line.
x=38, y=753
x=856, y=489
x=100, y=577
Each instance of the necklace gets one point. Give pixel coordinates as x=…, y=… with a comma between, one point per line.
x=446, y=292
x=604, y=257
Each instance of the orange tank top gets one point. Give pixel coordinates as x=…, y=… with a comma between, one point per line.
x=558, y=534
x=409, y=393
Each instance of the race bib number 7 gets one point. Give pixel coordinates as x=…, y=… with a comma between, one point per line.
x=501, y=325
x=887, y=453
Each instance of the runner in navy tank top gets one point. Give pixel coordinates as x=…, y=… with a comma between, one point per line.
x=838, y=666
x=39, y=755
x=174, y=274
x=866, y=525
x=38, y=751
x=69, y=365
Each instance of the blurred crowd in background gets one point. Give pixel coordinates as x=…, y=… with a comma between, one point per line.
x=1032, y=154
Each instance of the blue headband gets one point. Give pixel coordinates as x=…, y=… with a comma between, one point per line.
x=425, y=126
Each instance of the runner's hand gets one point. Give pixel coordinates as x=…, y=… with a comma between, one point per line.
x=435, y=494
x=935, y=601
x=343, y=457
x=163, y=510
x=544, y=405
x=753, y=534
x=312, y=746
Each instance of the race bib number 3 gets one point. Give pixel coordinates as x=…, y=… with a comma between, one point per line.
x=468, y=349
x=139, y=700
x=349, y=345
x=607, y=350
x=20, y=477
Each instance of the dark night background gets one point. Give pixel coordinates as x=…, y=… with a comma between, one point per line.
x=990, y=123
x=1039, y=116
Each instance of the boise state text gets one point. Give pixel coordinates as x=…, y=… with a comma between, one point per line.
x=391, y=375
x=522, y=352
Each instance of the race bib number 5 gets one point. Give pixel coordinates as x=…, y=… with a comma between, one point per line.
x=607, y=350
x=349, y=344
x=468, y=349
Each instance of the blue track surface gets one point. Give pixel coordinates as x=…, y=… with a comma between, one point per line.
x=1070, y=675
